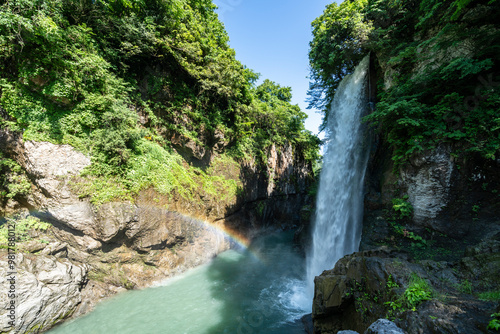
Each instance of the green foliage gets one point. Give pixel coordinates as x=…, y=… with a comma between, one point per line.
x=490, y=295
x=366, y=302
x=465, y=287
x=441, y=67
x=416, y=245
x=402, y=210
x=495, y=322
x=101, y=189
x=13, y=180
x=62, y=90
x=152, y=166
x=402, y=206
x=22, y=229
x=82, y=72
x=338, y=45
x=272, y=119
x=391, y=284
x=261, y=206
x=418, y=291
x=395, y=305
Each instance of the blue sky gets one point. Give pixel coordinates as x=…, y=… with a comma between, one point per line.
x=272, y=38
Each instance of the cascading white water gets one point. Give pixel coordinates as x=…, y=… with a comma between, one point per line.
x=339, y=208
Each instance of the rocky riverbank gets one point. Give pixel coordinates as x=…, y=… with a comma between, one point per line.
x=72, y=253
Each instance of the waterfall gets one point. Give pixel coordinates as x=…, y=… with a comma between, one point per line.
x=339, y=205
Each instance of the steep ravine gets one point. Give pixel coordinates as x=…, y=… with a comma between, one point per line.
x=93, y=251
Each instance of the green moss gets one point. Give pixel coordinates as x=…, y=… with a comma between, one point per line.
x=97, y=275
x=490, y=295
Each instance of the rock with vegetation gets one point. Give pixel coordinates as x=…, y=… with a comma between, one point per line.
x=421, y=297
x=433, y=181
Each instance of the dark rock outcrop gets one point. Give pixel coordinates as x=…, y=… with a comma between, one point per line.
x=365, y=286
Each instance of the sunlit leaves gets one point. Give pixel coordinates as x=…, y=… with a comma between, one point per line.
x=439, y=64
x=339, y=37
x=79, y=72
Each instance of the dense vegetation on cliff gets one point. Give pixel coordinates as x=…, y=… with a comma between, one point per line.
x=439, y=69
x=437, y=65
x=127, y=80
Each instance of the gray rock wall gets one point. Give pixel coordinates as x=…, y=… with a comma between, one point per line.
x=428, y=182
x=47, y=291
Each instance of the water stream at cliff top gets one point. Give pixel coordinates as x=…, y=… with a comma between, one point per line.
x=240, y=291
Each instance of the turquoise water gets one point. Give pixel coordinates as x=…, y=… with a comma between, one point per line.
x=241, y=291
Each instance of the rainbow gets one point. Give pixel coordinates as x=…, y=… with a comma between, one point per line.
x=236, y=239
x=232, y=235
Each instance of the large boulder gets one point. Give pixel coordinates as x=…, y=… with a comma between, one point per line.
x=384, y=326
x=366, y=286
x=428, y=180
x=344, y=296
x=381, y=326
x=46, y=289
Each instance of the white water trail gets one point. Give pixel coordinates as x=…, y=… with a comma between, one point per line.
x=339, y=204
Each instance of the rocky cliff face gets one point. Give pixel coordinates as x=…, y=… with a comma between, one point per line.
x=449, y=239
x=48, y=291
x=458, y=198
x=274, y=197
x=91, y=252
